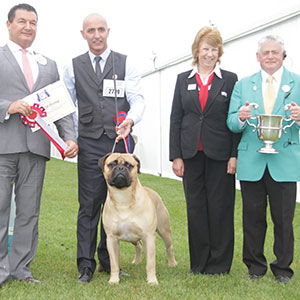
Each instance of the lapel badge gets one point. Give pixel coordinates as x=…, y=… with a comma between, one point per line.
x=192, y=87
x=254, y=88
x=286, y=88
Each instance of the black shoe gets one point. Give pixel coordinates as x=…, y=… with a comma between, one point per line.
x=85, y=275
x=282, y=279
x=102, y=269
x=122, y=273
x=254, y=276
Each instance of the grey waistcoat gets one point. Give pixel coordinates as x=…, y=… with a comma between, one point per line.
x=96, y=113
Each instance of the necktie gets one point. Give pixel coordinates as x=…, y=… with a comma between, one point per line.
x=203, y=92
x=98, y=69
x=269, y=96
x=27, y=70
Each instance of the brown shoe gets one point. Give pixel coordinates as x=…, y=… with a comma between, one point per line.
x=31, y=280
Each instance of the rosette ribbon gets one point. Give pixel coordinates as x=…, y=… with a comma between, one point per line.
x=121, y=117
x=38, y=112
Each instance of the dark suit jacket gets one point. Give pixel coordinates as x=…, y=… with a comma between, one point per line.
x=189, y=122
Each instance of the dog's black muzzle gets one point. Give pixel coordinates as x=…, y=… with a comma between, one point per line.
x=120, y=177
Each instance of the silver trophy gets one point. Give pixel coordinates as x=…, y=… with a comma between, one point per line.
x=269, y=128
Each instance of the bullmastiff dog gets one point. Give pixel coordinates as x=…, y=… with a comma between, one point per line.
x=133, y=213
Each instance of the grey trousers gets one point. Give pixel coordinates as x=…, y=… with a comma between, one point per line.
x=26, y=171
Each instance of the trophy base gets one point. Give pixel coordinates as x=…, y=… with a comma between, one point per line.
x=267, y=150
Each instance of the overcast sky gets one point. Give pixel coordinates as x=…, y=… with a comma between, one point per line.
x=140, y=28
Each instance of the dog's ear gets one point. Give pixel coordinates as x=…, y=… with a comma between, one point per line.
x=102, y=160
x=138, y=163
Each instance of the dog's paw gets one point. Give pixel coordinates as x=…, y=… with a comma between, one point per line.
x=114, y=280
x=136, y=261
x=172, y=263
x=152, y=281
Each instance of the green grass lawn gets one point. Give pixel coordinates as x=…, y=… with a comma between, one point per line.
x=55, y=261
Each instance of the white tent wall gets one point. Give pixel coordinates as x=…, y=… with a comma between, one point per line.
x=153, y=130
x=158, y=84
x=239, y=56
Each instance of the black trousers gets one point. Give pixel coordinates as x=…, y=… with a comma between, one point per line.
x=210, y=195
x=92, y=192
x=282, y=200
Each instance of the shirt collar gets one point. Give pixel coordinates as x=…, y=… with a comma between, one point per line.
x=15, y=47
x=277, y=75
x=104, y=55
x=217, y=71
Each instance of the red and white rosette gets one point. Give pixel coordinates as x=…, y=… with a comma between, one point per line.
x=38, y=112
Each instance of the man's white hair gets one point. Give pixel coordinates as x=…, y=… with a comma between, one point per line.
x=271, y=38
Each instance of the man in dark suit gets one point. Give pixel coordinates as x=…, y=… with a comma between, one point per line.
x=203, y=151
x=89, y=79
x=23, y=154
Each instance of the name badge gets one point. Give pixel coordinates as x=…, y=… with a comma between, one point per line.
x=109, y=88
x=192, y=87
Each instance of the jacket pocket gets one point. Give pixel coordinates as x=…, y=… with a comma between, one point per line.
x=85, y=115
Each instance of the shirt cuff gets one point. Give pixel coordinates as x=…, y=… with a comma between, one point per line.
x=242, y=123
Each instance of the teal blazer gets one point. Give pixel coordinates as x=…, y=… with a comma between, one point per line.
x=251, y=165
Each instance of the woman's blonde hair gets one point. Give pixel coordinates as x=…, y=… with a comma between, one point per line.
x=212, y=37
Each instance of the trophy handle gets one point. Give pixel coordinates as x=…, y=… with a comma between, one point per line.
x=287, y=126
x=287, y=107
x=255, y=106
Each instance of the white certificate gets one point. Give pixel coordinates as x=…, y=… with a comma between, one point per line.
x=55, y=99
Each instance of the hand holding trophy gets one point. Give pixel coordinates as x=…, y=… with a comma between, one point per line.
x=269, y=128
